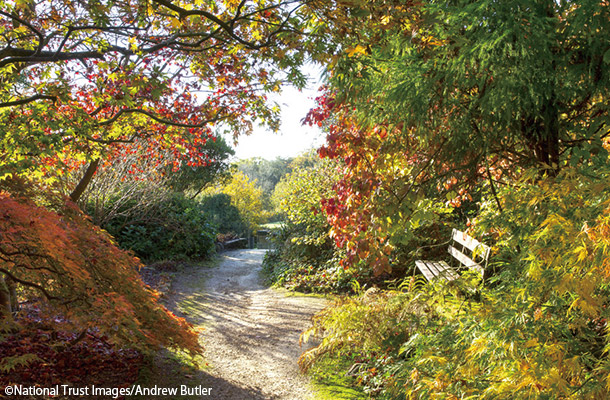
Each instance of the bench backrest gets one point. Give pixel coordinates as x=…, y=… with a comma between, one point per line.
x=462, y=244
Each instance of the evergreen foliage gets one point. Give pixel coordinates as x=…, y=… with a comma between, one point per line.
x=176, y=228
x=491, y=116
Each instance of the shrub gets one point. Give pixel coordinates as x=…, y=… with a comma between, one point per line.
x=74, y=278
x=224, y=215
x=174, y=229
x=538, y=329
x=245, y=196
x=369, y=331
x=306, y=258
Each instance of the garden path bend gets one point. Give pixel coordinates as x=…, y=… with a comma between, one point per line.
x=251, y=332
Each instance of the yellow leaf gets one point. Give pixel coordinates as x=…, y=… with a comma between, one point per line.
x=537, y=314
x=531, y=343
x=257, y=35
x=356, y=50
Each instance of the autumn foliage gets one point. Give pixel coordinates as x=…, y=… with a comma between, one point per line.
x=85, y=86
x=490, y=117
x=40, y=356
x=68, y=267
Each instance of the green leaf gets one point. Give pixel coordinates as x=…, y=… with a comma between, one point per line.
x=607, y=56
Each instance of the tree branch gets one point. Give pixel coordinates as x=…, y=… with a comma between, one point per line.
x=29, y=284
x=85, y=180
x=17, y=56
x=227, y=26
x=28, y=25
x=27, y=100
x=159, y=119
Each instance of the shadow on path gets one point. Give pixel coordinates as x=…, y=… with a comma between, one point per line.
x=251, y=332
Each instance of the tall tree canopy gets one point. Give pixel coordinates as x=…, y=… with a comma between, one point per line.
x=427, y=99
x=430, y=104
x=267, y=173
x=78, y=77
x=85, y=84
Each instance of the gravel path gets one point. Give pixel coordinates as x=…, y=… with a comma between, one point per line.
x=251, y=333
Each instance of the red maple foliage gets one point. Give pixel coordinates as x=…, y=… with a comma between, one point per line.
x=67, y=266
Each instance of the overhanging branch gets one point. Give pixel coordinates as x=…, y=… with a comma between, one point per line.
x=29, y=284
x=16, y=56
x=159, y=119
x=27, y=100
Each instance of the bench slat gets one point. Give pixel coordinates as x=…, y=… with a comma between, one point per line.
x=465, y=260
x=436, y=269
x=441, y=270
x=423, y=267
x=470, y=243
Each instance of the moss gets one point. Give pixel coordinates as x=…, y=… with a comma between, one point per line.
x=330, y=382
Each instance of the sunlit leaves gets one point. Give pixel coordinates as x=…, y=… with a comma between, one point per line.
x=245, y=196
x=70, y=267
x=109, y=63
x=499, y=103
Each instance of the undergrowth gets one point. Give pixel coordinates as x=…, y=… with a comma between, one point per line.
x=330, y=385
x=370, y=338
x=536, y=329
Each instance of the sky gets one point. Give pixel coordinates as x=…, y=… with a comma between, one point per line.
x=293, y=138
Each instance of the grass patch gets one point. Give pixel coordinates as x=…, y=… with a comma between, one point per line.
x=172, y=369
x=330, y=382
x=272, y=225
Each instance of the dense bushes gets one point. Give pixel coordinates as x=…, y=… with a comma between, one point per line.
x=306, y=258
x=326, y=276
x=245, y=197
x=163, y=224
x=537, y=329
x=177, y=228
x=71, y=277
x=223, y=215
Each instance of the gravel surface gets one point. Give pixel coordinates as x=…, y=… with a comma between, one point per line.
x=251, y=332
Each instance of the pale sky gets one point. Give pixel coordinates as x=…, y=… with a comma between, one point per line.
x=293, y=138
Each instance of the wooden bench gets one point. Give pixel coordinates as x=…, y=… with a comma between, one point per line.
x=469, y=252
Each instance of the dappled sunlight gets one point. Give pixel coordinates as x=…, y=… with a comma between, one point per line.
x=250, y=332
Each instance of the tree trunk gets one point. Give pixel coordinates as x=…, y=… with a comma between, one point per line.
x=542, y=135
x=85, y=180
x=547, y=124
x=540, y=127
x=12, y=291
x=5, y=299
